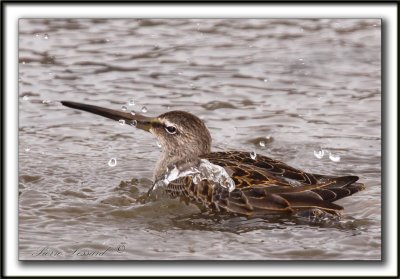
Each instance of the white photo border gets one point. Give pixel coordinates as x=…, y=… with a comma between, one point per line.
x=386, y=11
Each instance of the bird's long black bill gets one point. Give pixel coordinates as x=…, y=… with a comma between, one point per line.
x=138, y=120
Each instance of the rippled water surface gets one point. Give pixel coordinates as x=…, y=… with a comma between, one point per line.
x=299, y=86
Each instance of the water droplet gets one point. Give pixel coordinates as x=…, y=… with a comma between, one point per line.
x=334, y=158
x=23, y=62
x=131, y=102
x=253, y=155
x=50, y=73
x=121, y=121
x=37, y=35
x=196, y=179
x=124, y=108
x=319, y=154
x=300, y=59
x=133, y=112
x=262, y=143
x=46, y=36
x=27, y=149
x=46, y=101
x=168, y=108
x=144, y=109
x=265, y=80
x=180, y=73
x=133, y=123
x=25, y=98
x=159, y=144
x=112, y=162
x=250, y=46
x=205, y=170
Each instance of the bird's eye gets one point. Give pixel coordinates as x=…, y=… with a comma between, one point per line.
x=170, y=129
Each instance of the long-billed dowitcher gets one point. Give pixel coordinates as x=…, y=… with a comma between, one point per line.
x=232, y=181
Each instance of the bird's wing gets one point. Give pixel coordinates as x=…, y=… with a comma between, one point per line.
x=270, y=167
x=250, y=201
x=280, y=177
x=265, y=186
x=206, y=194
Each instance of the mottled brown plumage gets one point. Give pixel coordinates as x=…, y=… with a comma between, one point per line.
x=262, y=185
x=265, y=186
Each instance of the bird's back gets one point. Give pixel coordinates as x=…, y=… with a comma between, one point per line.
x=264, y=186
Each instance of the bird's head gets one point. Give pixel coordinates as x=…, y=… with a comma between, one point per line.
x=179, y=133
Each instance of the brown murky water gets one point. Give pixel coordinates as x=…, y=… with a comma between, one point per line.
x=299, y=85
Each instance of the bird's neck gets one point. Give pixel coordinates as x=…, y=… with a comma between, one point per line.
x=168, y=159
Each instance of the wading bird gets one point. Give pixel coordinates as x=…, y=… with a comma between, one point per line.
x=232, y=181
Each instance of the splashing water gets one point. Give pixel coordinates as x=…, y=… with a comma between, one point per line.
x=262, y=143
x=144, y=109
x=319, y=154
x=124, y=108
x=133, y=123
x=112, y=162
x=46, y=36
x=334, y=158
x=121, y=121
x=253, y=155
x=205, y=170
x=131, y=102
x=215, y=173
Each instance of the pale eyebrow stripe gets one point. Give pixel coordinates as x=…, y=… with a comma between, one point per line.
x=167, y=123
